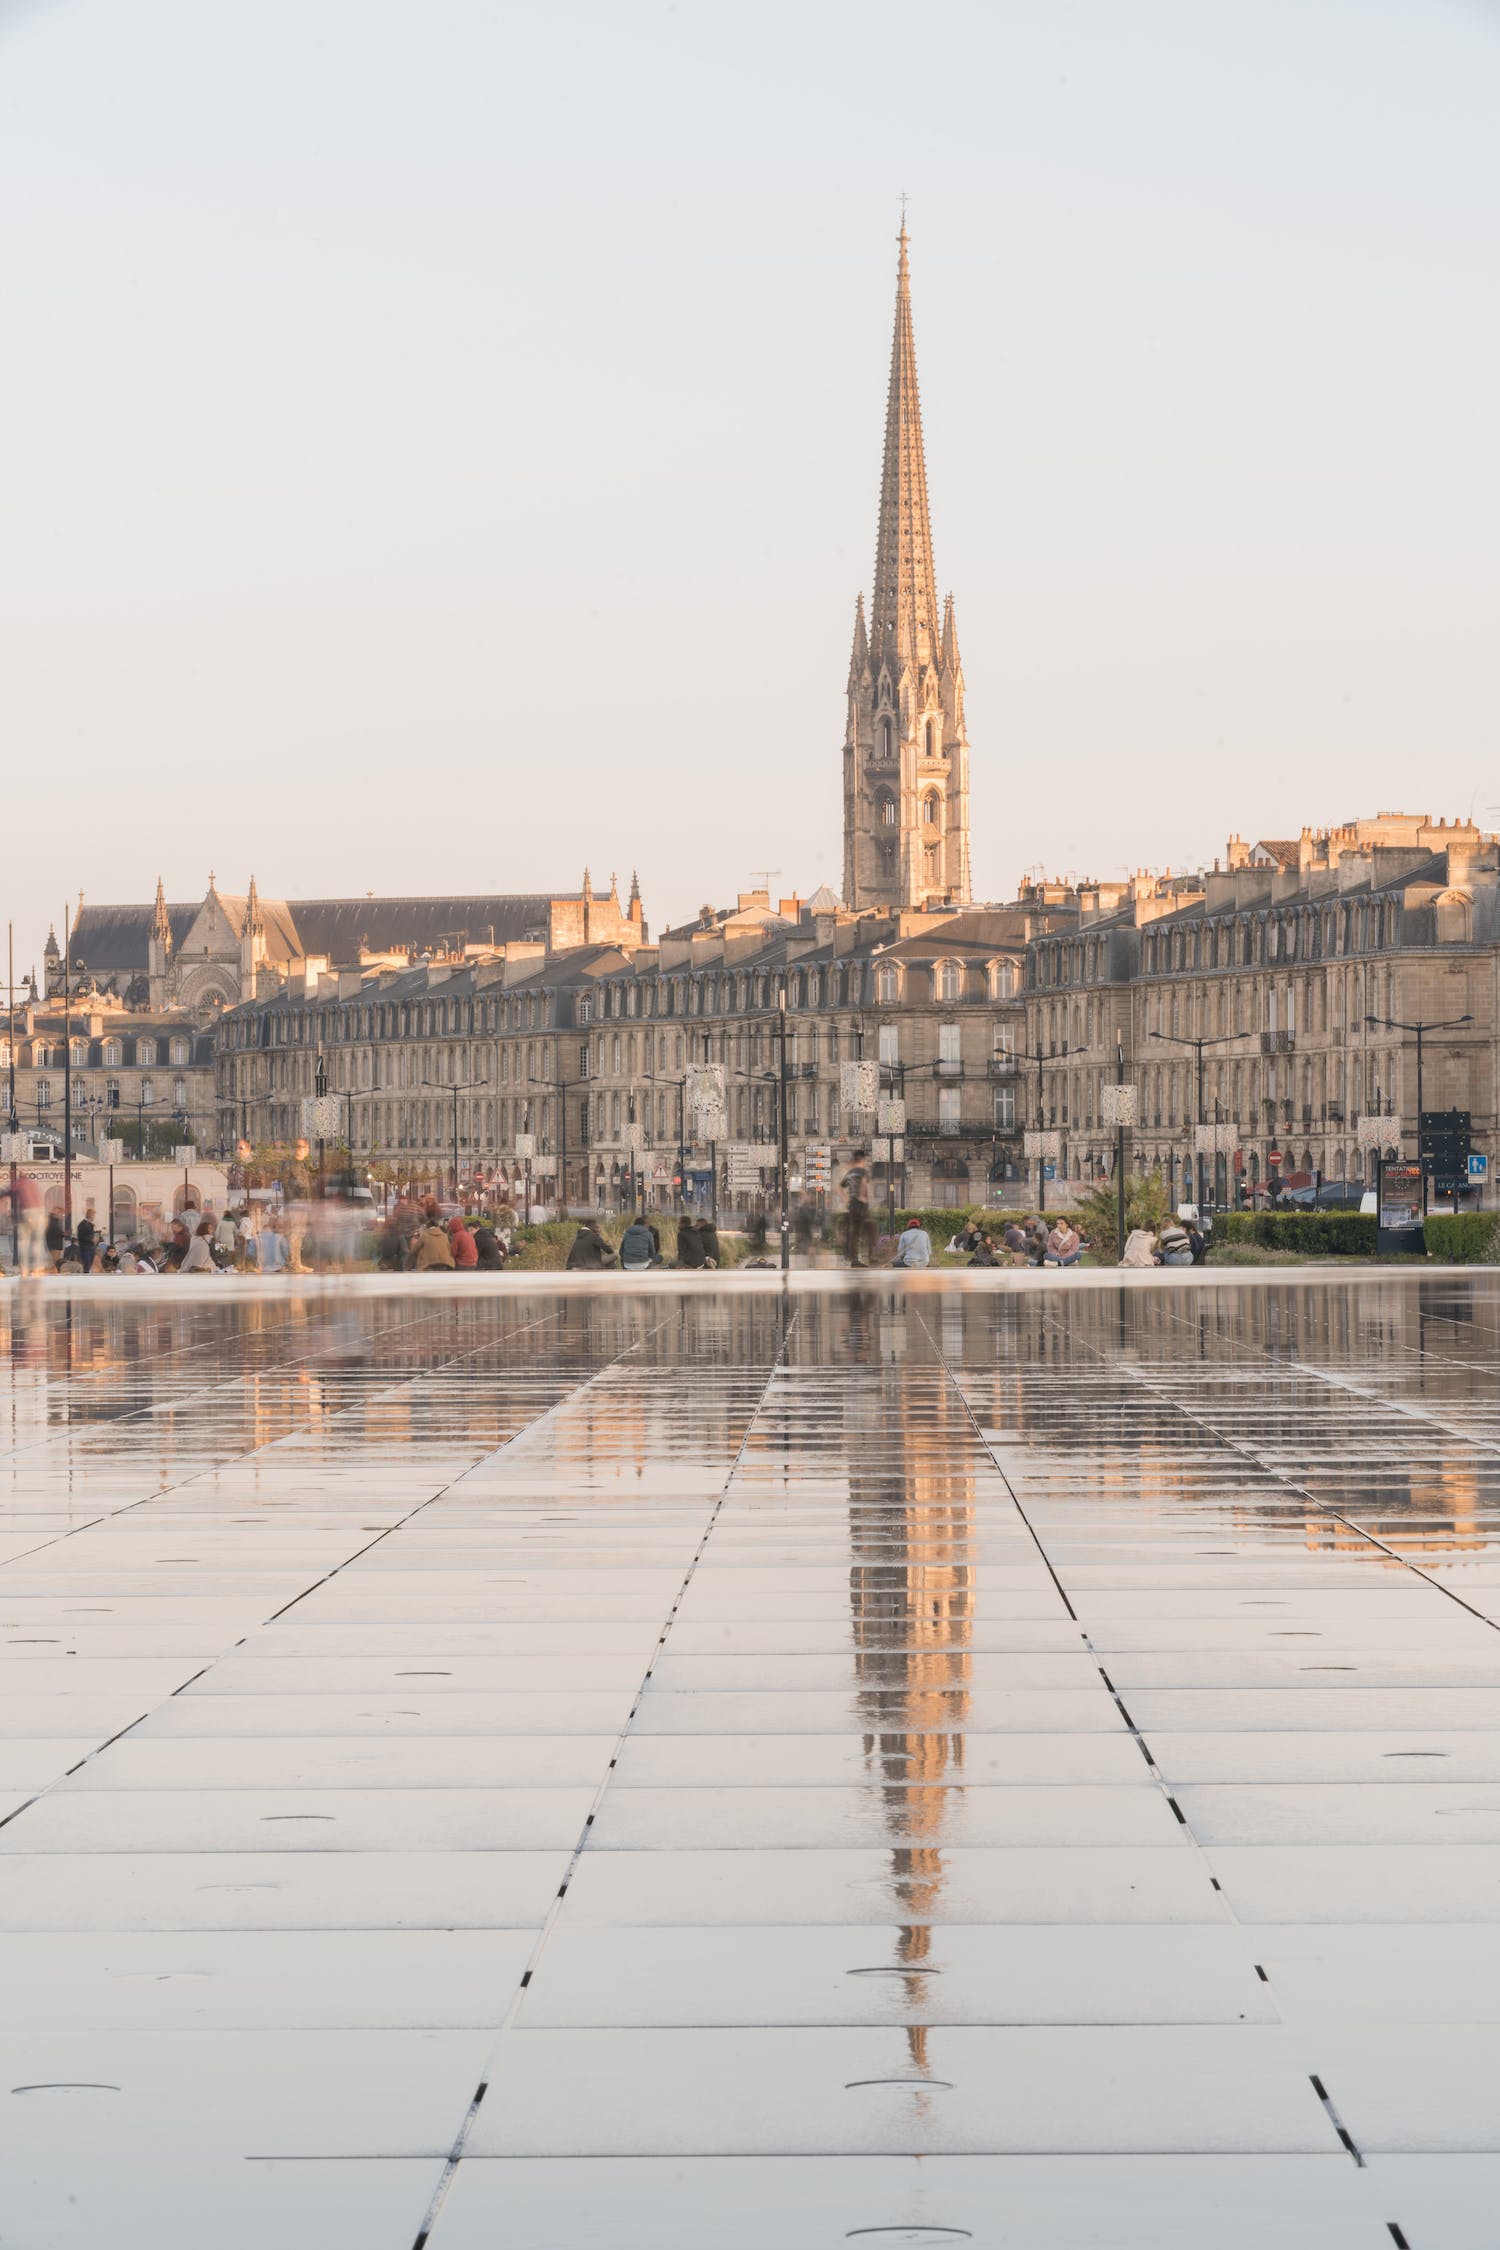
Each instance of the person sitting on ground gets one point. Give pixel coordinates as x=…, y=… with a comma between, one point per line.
x=1140, y=1248
x=391, y=1253
x=109, y=1259
x=1176, y=1249
x=1036, y=1239
x=638, y=1251
x=198, y=1256
x=1013, y=1241
x=432, y=1249
x=987, y=1251
x=588, y=1251
x=913, y=1245
x=689, y=1245
x=488, y=1254
x=136, y=1258
x=1197, y=1242
x=464, y=1251
x=708, y=1235
x=1064, y=1245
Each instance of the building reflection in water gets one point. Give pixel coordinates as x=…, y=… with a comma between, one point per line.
x=911, y=1452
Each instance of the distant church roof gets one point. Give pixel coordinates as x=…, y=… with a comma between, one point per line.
x=115, y=940
x=110, y=939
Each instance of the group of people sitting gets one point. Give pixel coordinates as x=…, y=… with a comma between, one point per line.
x=641, y=1249
x=417, y=1239
x=1175, y=1242
x=1028, y=1242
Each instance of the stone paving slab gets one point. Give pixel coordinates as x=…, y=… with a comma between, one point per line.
x=561, y=1761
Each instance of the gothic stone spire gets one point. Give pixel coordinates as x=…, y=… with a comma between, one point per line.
x=903, y=610
x=161, y=925
x=906, y=750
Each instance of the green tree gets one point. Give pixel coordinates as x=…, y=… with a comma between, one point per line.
x=1145, y=1206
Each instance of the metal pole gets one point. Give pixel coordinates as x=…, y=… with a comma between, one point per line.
x=1421, y=1159
x=456, y=1197
x=1041, y=1125
x=786, y=1217
x=12, y=1121
x=68, y=1077
x=1120, y=1147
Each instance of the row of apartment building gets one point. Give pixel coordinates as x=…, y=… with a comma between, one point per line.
x=1279, y=994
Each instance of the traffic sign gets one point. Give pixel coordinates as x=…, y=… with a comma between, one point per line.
x=1479, y=1166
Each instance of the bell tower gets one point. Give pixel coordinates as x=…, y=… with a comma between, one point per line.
x=906, y=752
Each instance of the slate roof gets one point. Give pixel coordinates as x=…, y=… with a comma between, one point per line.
x=115, y=939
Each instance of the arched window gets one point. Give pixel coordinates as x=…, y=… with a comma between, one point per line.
x=932, y=810
x=114, y=1054
x=887, y=982
x=885, y=809
x=179, y=1051
x=179, y=1093
x=78, y=1053
x=148, y=1091
x=933, y=739
x=950, y=980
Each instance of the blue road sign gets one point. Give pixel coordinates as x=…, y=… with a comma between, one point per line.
x=1478, y=1166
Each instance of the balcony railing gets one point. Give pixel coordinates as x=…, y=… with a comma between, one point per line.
x=1004, y=1066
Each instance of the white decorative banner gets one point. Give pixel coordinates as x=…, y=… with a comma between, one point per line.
x=525, y=1147
x=859, y=1085
x=1377, y=1132
x=890, y=1116
x=111, y=1152
x=1117, y=1105
x=185, y=1154
x=1216, y=1140
x=710, y=1123
x=705, y=1088
x=1047, y=1145
x=321, y=1117
x=15, y=1148
x=633, y=1136
x=880, y=1149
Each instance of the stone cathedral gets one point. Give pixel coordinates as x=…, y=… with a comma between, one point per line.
x=906, y=755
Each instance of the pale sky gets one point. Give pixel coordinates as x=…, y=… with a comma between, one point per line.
x=441, y=444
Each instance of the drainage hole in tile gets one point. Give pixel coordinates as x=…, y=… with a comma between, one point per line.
x=941, y=2085
x=918, y=1969
x=298, y=1816
x=911, y=2234
x=1414, y=1753
x=68, y=2086
x=424, y=1675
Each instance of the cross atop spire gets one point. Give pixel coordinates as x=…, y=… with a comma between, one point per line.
x=903, y=610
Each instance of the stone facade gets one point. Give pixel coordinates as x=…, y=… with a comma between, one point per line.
x=136, y=1074
x=1276, y=959
x=906, y=749
x=586, y=1049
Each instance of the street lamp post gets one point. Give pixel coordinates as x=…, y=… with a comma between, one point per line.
x=781, y=1133
x=1177, y=1039
x=1420, y=1027
x=435, y=1086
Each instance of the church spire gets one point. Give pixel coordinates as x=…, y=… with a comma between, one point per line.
x=161, y=923
x=251, y=924
x=903, y=608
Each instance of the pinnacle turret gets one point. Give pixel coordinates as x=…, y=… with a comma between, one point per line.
x=161, y=921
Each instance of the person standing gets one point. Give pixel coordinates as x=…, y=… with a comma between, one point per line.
x=856, y=1187
x=56, y=1240
x=87, y=1238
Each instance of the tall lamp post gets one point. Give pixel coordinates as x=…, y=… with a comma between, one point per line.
x=781, y=1132
x=1118, y=1106
x=435, y=1086
x=1043, y=1143
x=1420, y=1027
x=1178, y=1039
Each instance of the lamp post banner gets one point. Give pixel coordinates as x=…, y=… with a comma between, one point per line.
x=1117, y=1105
x=859, y=1086
x=890, y=1116
x=1377, y=1132
x=321, y=1116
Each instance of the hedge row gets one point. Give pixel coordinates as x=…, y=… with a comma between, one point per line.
x=1465, y=1238
x=1315, y=1234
